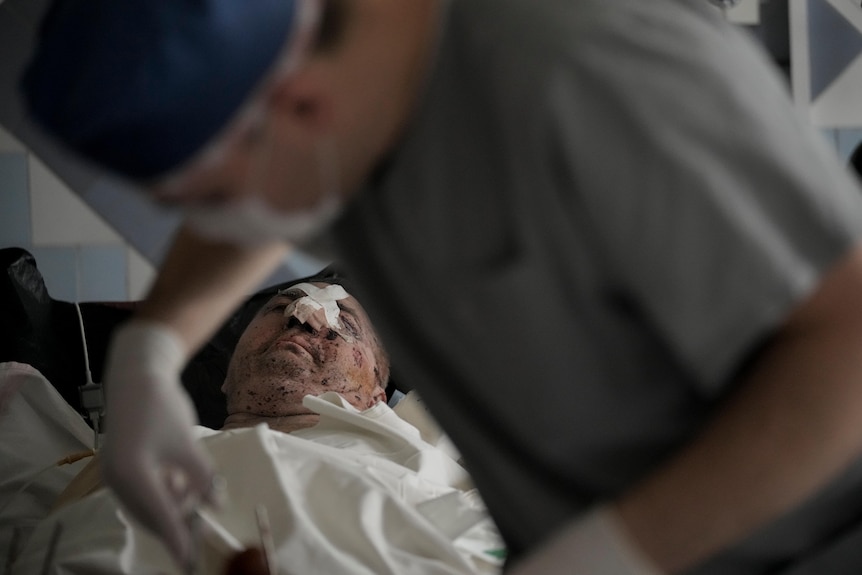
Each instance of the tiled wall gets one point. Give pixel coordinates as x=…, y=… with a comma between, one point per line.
x=845, y=141
x=80, y=256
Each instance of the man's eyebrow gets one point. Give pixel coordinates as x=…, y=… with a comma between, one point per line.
x=347, y=307
x=278, y=298
x=291, y=292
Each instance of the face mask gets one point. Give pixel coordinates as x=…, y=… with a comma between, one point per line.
x=251, y=221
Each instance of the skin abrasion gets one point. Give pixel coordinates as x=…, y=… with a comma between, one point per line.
x=280, y=359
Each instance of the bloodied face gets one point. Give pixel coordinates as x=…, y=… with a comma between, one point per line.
x=279, y=359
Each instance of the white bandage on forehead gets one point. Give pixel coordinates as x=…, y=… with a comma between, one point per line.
x=319, y=307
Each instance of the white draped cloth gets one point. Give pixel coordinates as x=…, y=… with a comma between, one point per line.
x=361, y=492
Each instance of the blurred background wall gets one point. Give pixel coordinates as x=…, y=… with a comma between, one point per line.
x=95, y=240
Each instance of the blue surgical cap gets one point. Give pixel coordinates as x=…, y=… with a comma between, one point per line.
x=139, y=86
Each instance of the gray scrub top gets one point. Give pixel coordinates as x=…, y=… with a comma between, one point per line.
x=599, y=211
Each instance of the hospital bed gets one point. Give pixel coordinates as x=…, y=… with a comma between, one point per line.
x=330, y=502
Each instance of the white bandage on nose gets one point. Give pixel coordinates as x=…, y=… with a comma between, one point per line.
x=319, y=307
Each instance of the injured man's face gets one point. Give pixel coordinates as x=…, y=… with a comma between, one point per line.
x=309, y=339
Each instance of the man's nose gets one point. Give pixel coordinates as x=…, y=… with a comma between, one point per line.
x=324, y=330
x=292, y=322
x=316, y=320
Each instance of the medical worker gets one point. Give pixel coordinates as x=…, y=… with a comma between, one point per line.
x=594, y=234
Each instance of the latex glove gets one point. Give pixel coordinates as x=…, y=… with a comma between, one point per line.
x=595, y=544
x=150, y=458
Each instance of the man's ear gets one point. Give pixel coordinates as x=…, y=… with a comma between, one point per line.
x=379, y=396
x=302, y=98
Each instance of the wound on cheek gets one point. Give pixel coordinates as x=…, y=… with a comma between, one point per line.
x=358, y=358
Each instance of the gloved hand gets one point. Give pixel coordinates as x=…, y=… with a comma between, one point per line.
x=592, y=545
x=150, y=458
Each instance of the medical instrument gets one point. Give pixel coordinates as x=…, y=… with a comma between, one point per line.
x=91, y=394
x=256, y=560
x=71, y=458
x=204, y=528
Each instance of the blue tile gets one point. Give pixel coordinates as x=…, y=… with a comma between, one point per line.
x=834, y=44
x=104, y=272
x=848, y=139
x=84, y=273
x=15, y=227
x=58, y=267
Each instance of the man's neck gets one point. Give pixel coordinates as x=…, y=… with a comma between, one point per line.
x=286, y=424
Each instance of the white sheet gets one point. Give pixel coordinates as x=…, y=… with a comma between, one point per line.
x=37, y=428
x=359, y=493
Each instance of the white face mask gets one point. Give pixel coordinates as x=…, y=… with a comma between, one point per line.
x=252, y=221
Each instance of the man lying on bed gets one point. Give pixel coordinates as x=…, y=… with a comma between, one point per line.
x=352, y=489
x=308, y=339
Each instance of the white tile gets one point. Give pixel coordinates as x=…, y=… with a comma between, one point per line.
x=102, y=273
x=838, y=105
x=15, y=229
x=141, y=275
x=746, y=12
x=60, y=270
x=8, y=142
x=59, y=216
